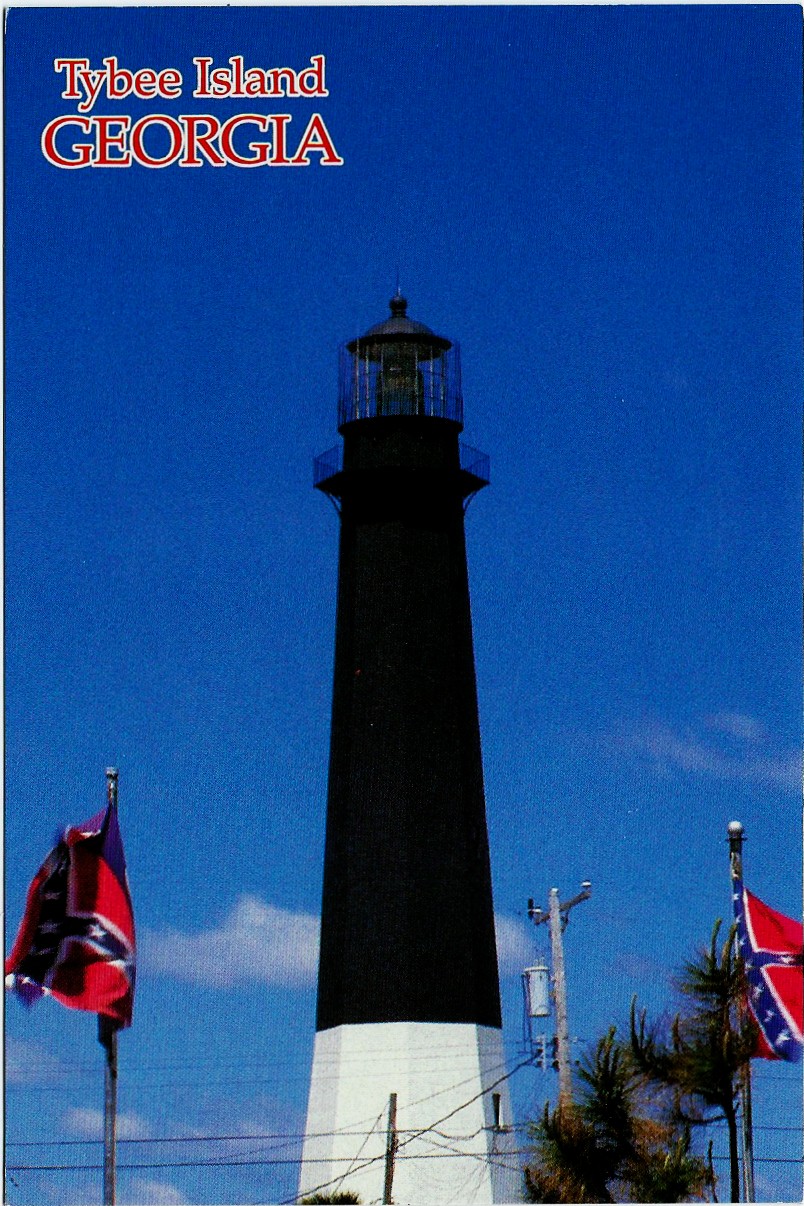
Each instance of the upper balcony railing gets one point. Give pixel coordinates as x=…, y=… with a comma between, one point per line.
x=330, y=463
x=475, y=462
x=399, y=377
x=327, y=464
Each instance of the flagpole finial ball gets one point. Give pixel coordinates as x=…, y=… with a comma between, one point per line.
x=735, y=827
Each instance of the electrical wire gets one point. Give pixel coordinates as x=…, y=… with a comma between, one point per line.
x=769, y=1159
x=415, y=1135
x=450, y=1154
x=356, y=1157
x=438, y=1155
x=518, y=1126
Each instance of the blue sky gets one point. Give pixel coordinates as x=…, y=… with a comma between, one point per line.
x=603, y=206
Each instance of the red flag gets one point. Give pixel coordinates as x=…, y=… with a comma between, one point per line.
x=771, y=949
x=76, y=939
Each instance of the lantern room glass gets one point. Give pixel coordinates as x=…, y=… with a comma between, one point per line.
x=385, y=376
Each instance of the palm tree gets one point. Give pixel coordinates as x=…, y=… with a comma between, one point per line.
x=702, y=1059
x=615, y=1144
x=340, y=1196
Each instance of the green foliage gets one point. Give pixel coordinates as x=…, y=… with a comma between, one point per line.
x=343, y=1196
x=613, y=1145
x=710, y=1042
x=700, y=1058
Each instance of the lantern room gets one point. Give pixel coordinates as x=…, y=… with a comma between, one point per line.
x=399, y=367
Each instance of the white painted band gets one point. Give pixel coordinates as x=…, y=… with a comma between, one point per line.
x=444, y=1075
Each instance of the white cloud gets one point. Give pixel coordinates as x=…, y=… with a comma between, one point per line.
x=260, y=943
x=88, y=1122
x=141, y=1191
x=516, y=946
x=255, y=943
x=727, y=746
x=154, y=1193
x=735, y=724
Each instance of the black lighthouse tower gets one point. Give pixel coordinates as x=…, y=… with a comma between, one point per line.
x=408, y=959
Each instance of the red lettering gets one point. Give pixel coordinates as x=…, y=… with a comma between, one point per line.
x=279, y=158
x=202, y=77
x=193, y=139
x=169, y=83
x=256, y=83
x=84, y=149
x=105, y=140
x=198, y=140
x=145, y=83
x=262, y=149
x=91, y=82
x=276, y=75
x=316, y=88
x=138, y=147
x=221, y=81
x=115, y=76
x=71, y=67
x=237, y=74
x=316, y=138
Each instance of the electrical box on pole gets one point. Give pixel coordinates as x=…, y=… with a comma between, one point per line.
x=537, y=990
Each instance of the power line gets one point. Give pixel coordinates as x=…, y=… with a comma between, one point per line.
x=300, y=1135
x=768, y=1159
x=210, y=1083
x=444, y=1154
x=418, y=1134
x=277, y=1135
x=356, y=1157
x=721, y=1122
x=269, y=1162
x=88, y=1069
x=183, y=1139
x=485, y=1158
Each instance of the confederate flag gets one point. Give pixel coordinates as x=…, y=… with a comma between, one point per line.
x=76, y=940
x=771, y=950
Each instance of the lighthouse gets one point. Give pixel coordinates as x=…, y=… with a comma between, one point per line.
x=408, y=1097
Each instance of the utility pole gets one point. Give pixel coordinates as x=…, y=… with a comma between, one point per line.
x=390, y=1150
x=736, y=867
x=557, y=920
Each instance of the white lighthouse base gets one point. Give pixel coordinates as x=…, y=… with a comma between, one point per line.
x=454, y=1142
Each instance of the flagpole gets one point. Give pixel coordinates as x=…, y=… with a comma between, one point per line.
x=736, y=863
x=107, y=1037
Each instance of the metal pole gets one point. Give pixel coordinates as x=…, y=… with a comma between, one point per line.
x=110, y=1121
x=390, y=1150
x=560, y=993
x=736, y=866
x=748, y=1134
x=107, y=1036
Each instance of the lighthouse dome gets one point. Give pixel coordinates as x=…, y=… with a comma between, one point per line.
x=399, y=326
